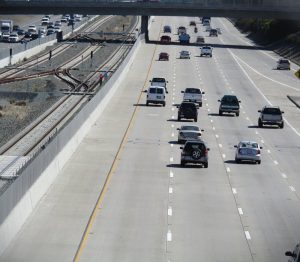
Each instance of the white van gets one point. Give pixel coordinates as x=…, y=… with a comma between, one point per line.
x=156, y=95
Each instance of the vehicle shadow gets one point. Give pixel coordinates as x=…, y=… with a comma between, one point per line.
x=230, y=162
x=175, y=142
x=186, y=166
x=264, y=127
x=241, y=163
x=253, y=126
x=182, y=120
x=216, y=114
x=152, y=105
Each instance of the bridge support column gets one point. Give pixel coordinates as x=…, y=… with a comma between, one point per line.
x=144, y=27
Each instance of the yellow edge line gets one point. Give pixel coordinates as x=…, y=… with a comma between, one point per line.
x=96, y=209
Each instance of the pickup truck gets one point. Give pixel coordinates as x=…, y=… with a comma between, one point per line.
x=159, y=81
x=193, y=95
x=206, y=51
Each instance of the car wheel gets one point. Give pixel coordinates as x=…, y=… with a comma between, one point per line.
x=205, y=165
x=182, y=163
x=164, y=103
x=258, y=162
x=147, y=104
x=260, y=123
x=195, y=119
x=179, y=118
x=210, y=55
x=281, y=125
x=237, y=114
x=220, y=112
x=200, y=104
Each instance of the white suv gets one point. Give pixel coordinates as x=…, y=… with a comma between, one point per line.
x=206, y=51
x=156, y=95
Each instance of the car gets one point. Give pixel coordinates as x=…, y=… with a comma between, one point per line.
x=16, y=27
x=187, y=110
x=188, y=132
x=32, y=29
x=165, y=39
x=283, y=64
x=205, y=18
x=192, y=23
x=194, y=151
x=45, y=21
x=229, y=104
x=200, y=40
x=213, y=32
x=219, y=30
x=184, y=38
x=181, y=30
x=5, y=37
x=57, y=23
x=270, y=115
x=206, y=51
x=13, y=37
x=156, y=95
x=50, y=31
x=50, y=25
x=42, y=30
x=34, y=36
x=163, y=56
x=64, y=20
x=21, y=32
x=184, y=54
x=207, y=28
x=28, y=35
x=167, y=29
x=248, y=151
x=77, y=18
x=57, y=29
x=295, y=255
x=206, y=22
x=159, y=81
x=193, y=95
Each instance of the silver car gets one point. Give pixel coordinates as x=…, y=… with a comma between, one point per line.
x=248, y=151
x=184, y=55
x=283, y=64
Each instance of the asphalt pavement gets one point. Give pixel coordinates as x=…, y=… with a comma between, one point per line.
x=151, y=209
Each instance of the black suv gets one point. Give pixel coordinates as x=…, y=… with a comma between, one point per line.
x=229, y=104
x=187, y=110
x=194, y=152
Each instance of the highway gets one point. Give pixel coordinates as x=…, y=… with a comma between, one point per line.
x=123, y=195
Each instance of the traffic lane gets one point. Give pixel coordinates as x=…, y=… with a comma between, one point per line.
x=236, y=36
x=259, y=62
x=205, y=214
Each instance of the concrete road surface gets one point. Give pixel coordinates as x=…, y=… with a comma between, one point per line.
x=151, y=209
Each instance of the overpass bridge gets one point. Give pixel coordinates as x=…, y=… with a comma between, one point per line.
x=282, y=9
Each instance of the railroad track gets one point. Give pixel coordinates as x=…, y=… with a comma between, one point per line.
x=34, y=137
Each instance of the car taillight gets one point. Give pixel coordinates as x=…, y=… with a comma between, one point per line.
x=258, y=151
x=206, y=152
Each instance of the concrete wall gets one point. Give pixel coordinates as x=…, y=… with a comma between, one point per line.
x=19, y=200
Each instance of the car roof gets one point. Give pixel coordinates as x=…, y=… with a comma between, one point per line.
x=164, y=53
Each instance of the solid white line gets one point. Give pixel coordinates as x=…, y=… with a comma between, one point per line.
x=171, y=174
x=171, y=159
x=170, y=190
x=170, y=211
x=240, y=211
x=292, y=188
x=247, y=235
x=234, y=191
x=284, y=175
x=169, y=236
x=228, y=169
x=275, y=162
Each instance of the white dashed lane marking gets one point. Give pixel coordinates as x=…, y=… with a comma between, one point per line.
x=292, y=188
x=223, y=155
x=220, y=145
x=171, y=174
x=284, y=175
x=247, y=234
x=228, y=170
x=171, y=159
x=275, y=162
x=217, y=136
x=240, y=211
x=234, y=190
x=170, y=211
x=169, y=236
x=170, y=190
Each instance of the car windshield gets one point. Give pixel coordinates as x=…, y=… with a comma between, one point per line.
x=230, y=100
x=191, y=128
x=284, y=61
x=193, y=90
x=272, y=111
x=155, y=90
x=206, y=47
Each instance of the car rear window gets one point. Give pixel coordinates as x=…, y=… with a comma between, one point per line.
x=194, y=128
x=192, y=90
x=272, y=111
x=232, y=100
x=192, y=146
x=159, y=80
x=249, y=145
x=188, y=105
